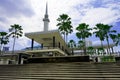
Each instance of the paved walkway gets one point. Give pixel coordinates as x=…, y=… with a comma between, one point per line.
x=61, y=71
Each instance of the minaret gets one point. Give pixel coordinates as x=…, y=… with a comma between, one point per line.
x=46, y=19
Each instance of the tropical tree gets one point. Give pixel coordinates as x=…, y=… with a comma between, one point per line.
x=107, y=33
x=15, y=32
x=90, y=50
x=115, y=38
x=83, y=32
x=81, y=45
x=100, y=50
x=99, y=32
x=3, y=39
x=65, y=27
x=103, y=31
x=72, y=45
x=118, y=39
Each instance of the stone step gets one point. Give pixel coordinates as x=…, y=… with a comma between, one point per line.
x=88, y=67
x=55, y=78
x=60, y=71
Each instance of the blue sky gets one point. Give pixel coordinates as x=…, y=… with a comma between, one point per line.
x=29, y=14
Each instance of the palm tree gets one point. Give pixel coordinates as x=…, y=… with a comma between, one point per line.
x=3, y=39
x=115, y=38
x=90, y=50
x=72, y=45
x=118, y=39
x=108, y=32
x=99, y=32
x=104, y=32
x=100, y=50
x=15, y=32
x=65, y=27
x=81, y=45
x=83, y=33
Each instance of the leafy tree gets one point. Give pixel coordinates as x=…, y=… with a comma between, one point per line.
x=99, y=32
x=3, y=39
x=65, y=27
x=108, y=32
x=103, y=31
x=81, y=44
x=15, y=32
x=72, y=45
x=115, y=38
x=100, y=50
x=90, y=50
x=118, y=39
x=83, y=32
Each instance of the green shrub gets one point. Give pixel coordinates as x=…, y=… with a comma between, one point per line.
x=108, y=59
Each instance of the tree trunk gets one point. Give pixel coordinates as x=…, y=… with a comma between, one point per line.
x=13, y=45
x=1, y=45
x=108, y=46
x=102, y=47
x=84, y=47
x=1, y=49
x=112, y=50
x=101, y=44
x=66, y=38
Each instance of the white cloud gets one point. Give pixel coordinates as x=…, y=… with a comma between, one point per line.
x=100, y=15
x=78, y=10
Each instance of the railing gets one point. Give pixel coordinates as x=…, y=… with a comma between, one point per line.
x=11, y=52
x=116, y=54
x=41, y=48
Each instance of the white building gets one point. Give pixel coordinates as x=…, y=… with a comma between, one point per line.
x=51, y=42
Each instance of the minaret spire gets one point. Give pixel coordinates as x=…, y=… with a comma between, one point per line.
x=46, y=19
x=46, y=9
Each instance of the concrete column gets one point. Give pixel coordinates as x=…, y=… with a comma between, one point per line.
x=19, y=58
x=59, y=44
x=32, y=44
x=53, y=41
x=62, y=48
x=42, y=46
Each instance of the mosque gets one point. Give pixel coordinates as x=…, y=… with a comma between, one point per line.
x=51, y=44
x=51, y=41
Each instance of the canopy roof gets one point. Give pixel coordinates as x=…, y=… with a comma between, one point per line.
x=46, y=37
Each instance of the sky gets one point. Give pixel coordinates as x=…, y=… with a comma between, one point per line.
x=29, y=14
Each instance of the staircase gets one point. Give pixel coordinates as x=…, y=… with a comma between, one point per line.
x=61, y=71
